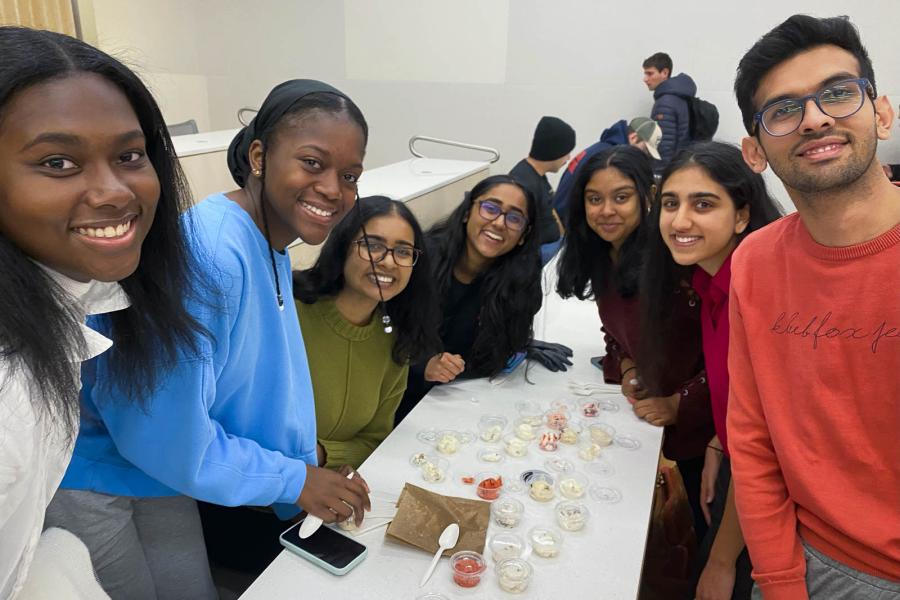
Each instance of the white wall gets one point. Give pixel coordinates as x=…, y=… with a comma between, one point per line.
x=482, y=71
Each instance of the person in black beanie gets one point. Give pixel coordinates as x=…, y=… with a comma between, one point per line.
x=551, y=146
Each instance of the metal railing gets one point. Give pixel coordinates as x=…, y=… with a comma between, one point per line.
x=242, y=115
x=425, y=138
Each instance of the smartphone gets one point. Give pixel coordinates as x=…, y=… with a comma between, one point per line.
x=333, y=551
x=597, y=361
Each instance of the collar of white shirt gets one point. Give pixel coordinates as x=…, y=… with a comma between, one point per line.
x=92, y=298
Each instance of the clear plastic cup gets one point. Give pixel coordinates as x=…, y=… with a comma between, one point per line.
x=448, y=442
x=491, y=454
x=507, y=512
x=572, y=516
x=506, y=545
x=514, y=575
x=572, y=485
x=515, y=447
x=602, y=433
x=546, y=542
x=548, y=440
x=489, y=485
x=556, y=418
x=531, y=412
x=491, y=427
x=467, y=568
x=434, y=469
x=525, y=430
x=541, y=488
x=571, y=433
x=588, y=450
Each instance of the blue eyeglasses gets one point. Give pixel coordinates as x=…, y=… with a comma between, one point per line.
x=838, y=100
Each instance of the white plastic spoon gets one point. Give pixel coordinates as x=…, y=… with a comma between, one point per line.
x=448, y=540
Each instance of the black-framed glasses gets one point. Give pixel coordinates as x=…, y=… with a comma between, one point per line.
x=404, y=256
x=838, y=100
x=512, y=218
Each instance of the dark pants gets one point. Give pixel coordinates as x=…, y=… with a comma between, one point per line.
x=743, y=584
x=690, y=470
x=242, y=538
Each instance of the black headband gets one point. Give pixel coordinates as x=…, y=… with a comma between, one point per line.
x=276, y=105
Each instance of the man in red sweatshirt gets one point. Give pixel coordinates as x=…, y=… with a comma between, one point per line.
x=814, y=353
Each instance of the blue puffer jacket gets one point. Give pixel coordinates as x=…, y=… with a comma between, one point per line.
x=670, y=109
x=615, y=135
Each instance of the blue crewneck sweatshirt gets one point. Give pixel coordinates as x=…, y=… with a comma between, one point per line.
x=233, y=424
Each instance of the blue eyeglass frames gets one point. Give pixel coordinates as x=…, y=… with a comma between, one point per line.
x=838, y=100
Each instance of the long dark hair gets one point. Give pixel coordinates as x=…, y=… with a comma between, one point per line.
x=413, y=311
x=511, y=289
x=661, y=275
x=38, y=330
x=585, y=267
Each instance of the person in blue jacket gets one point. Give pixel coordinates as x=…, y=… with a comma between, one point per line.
x=642, y=133
x=232, y=423
x=670, y=104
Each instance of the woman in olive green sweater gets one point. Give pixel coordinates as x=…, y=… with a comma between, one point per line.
x=358, y=369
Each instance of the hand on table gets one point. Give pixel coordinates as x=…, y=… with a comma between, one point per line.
x=657, y=410
x=444, y=367
x=332, y=497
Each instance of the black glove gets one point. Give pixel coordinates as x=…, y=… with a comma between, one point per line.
x=555, y=357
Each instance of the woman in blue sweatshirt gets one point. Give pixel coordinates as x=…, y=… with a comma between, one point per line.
x=232, y=423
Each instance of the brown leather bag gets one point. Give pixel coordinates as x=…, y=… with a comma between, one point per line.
x=671, y=542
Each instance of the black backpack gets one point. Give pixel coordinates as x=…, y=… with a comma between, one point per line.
x=704, y=119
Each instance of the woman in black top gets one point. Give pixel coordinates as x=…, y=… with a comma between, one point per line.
x=487, y=267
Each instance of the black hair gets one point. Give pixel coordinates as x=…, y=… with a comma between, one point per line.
x=38, y=326
x=511, y=289
x=661, y=276
x=658, y=61
x=414, y=311
x=324, y=102
x=795, y=35
x=585, y=266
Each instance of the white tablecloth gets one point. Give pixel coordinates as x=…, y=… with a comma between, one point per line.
x=602, y=561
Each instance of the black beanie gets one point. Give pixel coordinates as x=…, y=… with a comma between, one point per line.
x=553, y=139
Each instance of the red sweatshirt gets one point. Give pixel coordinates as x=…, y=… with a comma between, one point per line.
x=814, y=406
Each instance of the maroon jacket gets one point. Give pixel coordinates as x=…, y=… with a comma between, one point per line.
x=621, y=332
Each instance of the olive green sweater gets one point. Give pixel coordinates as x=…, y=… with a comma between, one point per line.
x=356, y=383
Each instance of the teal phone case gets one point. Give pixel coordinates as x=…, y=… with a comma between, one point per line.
x=321, y=563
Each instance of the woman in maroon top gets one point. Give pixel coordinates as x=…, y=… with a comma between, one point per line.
x=602, y=259
x=709, y=201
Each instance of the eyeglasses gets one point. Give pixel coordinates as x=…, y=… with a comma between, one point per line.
x=838, y=100
x=512, y=218
x=404, y=256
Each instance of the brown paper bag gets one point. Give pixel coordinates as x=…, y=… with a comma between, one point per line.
x=423, y=515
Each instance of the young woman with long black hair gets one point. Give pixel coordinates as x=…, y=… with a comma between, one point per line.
x=359, y=370
x=709, y=201
x=486, y=262
x=90, y=197
x=233, y=422
x=602, y=259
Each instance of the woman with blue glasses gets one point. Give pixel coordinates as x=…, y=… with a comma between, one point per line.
x=486, y=264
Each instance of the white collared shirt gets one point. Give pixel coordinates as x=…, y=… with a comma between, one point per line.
x=34, y=450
